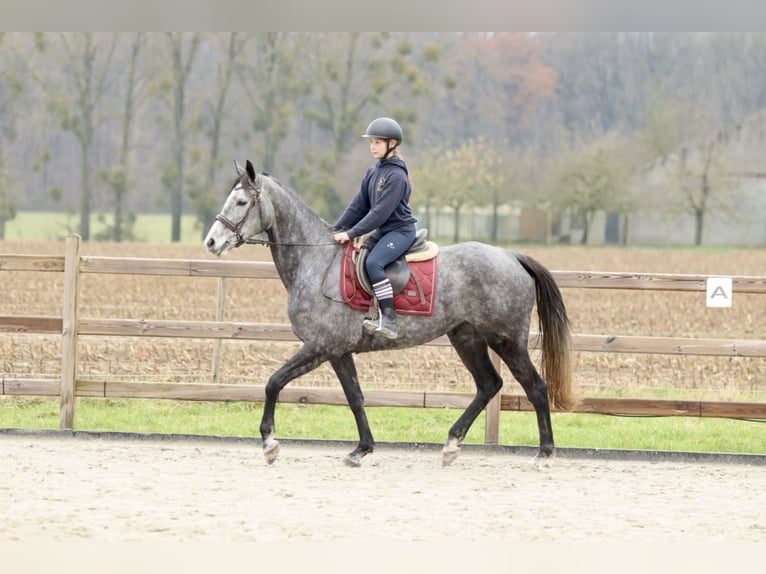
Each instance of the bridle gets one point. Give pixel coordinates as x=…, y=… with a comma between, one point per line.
x=236, y=228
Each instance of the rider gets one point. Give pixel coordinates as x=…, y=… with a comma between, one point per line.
x=382, y=203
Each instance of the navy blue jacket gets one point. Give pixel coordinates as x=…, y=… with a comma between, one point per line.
x=382, y=201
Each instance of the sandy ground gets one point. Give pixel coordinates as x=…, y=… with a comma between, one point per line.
x=74, y=489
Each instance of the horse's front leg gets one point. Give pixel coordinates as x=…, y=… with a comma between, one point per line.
x=346, y=370
x=305, y=360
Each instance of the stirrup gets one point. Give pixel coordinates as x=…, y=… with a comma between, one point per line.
x=372, y=325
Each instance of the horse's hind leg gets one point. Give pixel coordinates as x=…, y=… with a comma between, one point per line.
x=472, y=350
x=516, y=356
x=346, y=370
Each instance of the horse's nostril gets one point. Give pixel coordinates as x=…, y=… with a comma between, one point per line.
x=210, y=242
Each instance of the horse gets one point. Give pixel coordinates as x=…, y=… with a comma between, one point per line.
x=485, y=301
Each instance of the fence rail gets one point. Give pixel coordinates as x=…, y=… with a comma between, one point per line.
x=283, y=332
x=71, y=326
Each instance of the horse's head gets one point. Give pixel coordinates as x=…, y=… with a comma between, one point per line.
x=241, y=215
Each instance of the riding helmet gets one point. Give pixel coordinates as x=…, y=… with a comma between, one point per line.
x=384, y=128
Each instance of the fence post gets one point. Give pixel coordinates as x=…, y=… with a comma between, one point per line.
x=69, y=332
x=492, y=422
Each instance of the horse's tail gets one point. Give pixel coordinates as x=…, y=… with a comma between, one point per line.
x=557, y=347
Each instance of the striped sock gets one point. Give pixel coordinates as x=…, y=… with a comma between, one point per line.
x=383, y=290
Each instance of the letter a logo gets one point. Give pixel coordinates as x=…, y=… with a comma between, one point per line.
x=719, y=292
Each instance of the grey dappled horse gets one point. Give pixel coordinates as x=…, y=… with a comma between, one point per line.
x=485, y=301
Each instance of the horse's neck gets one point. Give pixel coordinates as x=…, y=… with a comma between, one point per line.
x=294, y=221
x=297, y=235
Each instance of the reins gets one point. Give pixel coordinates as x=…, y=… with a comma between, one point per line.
x=270, y=243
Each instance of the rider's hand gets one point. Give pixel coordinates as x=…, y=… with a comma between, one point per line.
x=341, y=237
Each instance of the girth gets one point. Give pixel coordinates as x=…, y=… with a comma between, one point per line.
x=398, y=272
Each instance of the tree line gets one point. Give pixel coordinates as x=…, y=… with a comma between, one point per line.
x=115, y=124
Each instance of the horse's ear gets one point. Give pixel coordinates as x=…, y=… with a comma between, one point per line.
x=240, y=171
x=250, y=170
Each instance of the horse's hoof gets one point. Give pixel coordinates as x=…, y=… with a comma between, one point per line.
x=353, y=460
x=450, y=452
x=449, y=455
x=271, y=450
x=542, y=462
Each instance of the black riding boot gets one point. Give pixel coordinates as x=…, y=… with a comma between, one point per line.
x=386, y=321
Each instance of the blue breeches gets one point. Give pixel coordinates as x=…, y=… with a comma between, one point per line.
x=388, y=249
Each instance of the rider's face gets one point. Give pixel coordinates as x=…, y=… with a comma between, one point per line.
x=378, y=148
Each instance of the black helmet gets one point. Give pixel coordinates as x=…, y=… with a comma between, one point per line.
x=384, y=128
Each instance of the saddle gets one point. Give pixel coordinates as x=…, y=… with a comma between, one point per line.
x=412, y=276
x=399, y=271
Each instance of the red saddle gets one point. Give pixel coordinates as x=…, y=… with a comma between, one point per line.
x=416, y=298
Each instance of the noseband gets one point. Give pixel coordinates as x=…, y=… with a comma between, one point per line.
x=236, y=228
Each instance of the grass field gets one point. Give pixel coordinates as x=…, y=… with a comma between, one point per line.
x=591, y=311
x=54, y=226
x=388, y=424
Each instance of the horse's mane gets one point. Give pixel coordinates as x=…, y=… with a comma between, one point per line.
x=297, y=196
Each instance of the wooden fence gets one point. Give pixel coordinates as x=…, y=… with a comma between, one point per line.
x=71, y=326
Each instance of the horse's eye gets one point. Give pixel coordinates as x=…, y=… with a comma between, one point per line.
x=241, y=203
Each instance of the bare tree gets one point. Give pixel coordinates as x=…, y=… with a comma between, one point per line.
x=118, y=178
x=78, y=99
x=182, y=50
x=10, y=92
x=202, y=194
x=700, y=183
x=273, y=80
